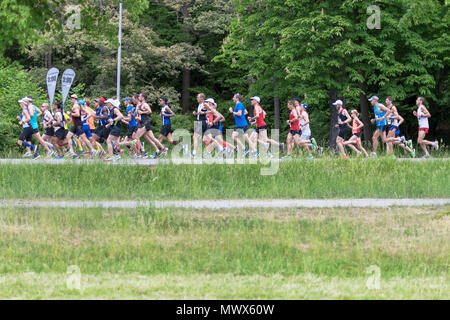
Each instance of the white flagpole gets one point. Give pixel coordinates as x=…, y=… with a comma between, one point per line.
x=119, y=52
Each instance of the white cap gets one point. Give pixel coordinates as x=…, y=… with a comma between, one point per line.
x=110, y=101
x=116, y=103
x=374, y=98
x=21, y=101
x=211, y=100
x=258, y=99
x=338, y=102
x=26, y=99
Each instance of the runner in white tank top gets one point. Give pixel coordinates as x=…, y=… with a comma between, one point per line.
x=422, y=115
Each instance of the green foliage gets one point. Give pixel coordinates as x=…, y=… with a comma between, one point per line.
x=14, y=84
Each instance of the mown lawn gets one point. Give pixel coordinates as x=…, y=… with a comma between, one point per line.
x=232, y=254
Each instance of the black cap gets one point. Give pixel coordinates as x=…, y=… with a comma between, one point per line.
x=164, y=99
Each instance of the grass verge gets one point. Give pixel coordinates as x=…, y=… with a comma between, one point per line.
x=298, y=179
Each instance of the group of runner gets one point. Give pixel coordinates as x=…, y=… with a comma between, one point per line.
x=388, y=121
x=90, y=127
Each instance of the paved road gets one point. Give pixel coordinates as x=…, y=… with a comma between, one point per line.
x=229, y=204
x=154, y=162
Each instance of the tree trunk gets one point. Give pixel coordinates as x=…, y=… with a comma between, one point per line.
x=364, y=104
x=276, y=109
x=185, y=90
x=333, y=120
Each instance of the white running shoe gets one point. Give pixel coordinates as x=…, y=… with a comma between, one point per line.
x=27, y=154
x=436, y=145
x=94, y=153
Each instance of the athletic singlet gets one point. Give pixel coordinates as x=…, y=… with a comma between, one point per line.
x=113, y=115
x=84, y=120
x=423, y=121
x=132, y=123
x=165, y=119
x=61, y=117
x=294, y=126
x=305, y=129
x=144, y=117
x=33, y=119
x=99, y=113
x=260, y=120
x=202, y=117
x=24, y=124
x=379, y=114
x=343, y=119
x=46, y=118
x=392, y=122
x=76, y=120
x=217, y=125
x=355, y=126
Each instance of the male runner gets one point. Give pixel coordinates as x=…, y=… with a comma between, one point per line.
x=380, y=118
x=422, y=115
x=34, y=112
x=239, y=112
x=114, y=123
x=166, y=114
x=201, y=125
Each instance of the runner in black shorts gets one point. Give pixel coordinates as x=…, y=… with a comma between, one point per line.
x=27, y=131
x=166, y=115
x=342, y=123
x=115, y=125
x=59, y=141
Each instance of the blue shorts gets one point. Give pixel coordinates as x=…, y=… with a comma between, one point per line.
x=87, y=131
x=396, y=128
x=381, y=127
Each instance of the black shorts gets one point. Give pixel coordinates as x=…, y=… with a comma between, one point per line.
x=27, y=134
x=50, y=132
x=147, y=125
x=358, y=134
x=130, y=132
x=342, y=132
x=200, y=128
x=261, y=128
x=295, y=132
x=103, y=133
x=242, y=130
x=61, y=134
x=116, y=131
x=166, y=129
x=78, y=130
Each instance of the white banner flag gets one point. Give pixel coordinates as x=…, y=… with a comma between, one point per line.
x=66, y=83
x=52, y=78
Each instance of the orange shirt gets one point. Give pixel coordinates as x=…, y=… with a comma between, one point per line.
x=91, y=120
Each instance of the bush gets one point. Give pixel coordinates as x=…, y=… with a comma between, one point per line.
x=14, y=84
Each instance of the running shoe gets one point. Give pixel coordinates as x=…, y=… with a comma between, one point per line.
x=413, y=153
x=410, y=144
x=94, y=153
x=403, y=140
x=27, y=154
x=255, y=155
x=230, y=153
x=36, y=156
x=164, y=152
x=344, y=157
x=108, y=159
x=246, y=152
x=145, y=156
x=58, y=157
x=374, y=154
x=79, y=154
x=310, y=156
x=117, y=157
x=50, y=154
x=436, y=145
x=100, y=154
x=155, y=155
x=314, y=144
x=427, y=156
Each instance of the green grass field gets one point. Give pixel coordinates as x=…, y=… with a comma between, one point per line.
x=268, y=254
x=325, y=179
